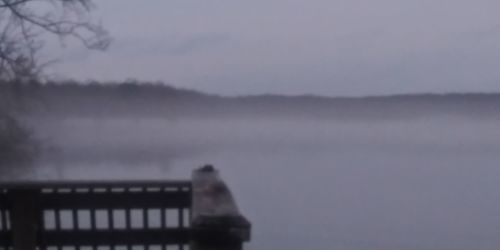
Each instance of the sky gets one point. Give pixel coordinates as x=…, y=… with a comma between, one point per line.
x=321, y=47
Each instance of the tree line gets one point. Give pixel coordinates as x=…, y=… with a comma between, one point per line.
x=155, y=99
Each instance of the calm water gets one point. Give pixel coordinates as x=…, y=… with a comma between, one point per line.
x=422, y=184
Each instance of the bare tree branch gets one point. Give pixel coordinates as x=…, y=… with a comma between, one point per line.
x=13, y=3
x=23, y=24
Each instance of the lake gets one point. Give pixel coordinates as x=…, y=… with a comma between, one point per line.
x=397, y=184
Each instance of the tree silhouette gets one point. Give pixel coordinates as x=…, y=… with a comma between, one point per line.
x=24, y=27
x=25, y=24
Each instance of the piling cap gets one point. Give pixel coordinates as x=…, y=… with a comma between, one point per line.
x=208, y=168
x=214, y=210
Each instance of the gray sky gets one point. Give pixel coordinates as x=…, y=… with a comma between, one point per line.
x=328, y=47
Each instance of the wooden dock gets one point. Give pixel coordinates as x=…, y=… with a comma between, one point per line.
x=197, y=214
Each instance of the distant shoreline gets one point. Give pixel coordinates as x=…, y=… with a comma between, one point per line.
x=71, y=99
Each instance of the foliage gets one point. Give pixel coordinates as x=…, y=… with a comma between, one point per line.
x=156, y=100
x=16, y=142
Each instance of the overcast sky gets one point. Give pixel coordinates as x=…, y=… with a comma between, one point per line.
x=327, y=47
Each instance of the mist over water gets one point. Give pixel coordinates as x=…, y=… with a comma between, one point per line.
x=399, y=184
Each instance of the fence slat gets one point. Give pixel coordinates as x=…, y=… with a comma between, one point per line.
x=24, y=218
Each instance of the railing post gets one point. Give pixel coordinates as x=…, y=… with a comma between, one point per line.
x=216, y=221
x=24, y=218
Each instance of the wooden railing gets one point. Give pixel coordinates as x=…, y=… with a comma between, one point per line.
x=196, y=214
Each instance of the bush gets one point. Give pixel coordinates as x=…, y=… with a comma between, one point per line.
x=16, y=142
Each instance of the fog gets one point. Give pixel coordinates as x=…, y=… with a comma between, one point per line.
x=396, y=184
x=343, y=125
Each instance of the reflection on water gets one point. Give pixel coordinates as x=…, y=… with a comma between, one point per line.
x=313, y=185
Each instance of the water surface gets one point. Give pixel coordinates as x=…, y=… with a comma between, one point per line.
x=419, y=184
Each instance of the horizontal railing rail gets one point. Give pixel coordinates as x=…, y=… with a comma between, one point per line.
x=95, y=184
